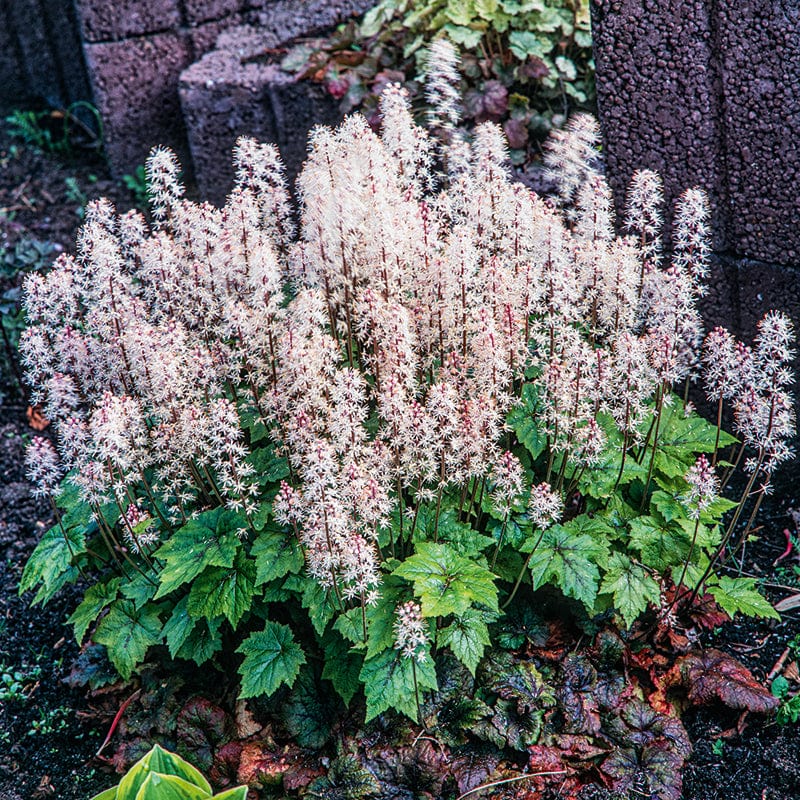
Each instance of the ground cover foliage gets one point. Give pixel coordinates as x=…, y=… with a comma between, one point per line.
x=349, y=453
x=527, y=65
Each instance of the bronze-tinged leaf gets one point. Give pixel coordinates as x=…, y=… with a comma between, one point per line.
x=472, y=766
x=576, y=698
x=36, y=419
x=201, y=728
x=226, y=765
x=712, y=675
x=264, y=763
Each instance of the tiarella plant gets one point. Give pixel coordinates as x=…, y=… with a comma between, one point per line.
x=362, y=443
x=524, y=63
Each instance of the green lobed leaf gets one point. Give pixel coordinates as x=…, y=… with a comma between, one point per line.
x=127, y=633
x=683, y=437
x=50, y=566
x=95, y=599
x=318, y=601
x=208, y=540
x=381, y=616
x=661, y=545
x=446, y=582
x=223, y=590
x=342, y=665
x=569, y=559
x=269, y=467
x=276, y=554
x=448, y=529
x=467, y=636
x=740, y=595
x=388, y=680
x=632, y=586
x=272, y=658
x=522, y=419
x=189, y=638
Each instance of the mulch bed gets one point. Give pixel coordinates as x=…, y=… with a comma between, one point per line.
x=49, y=732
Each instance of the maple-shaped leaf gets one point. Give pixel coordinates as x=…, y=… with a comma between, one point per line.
x=740, y=595
x=681, y=437
x=276, y=554
x=223, y=590
x=208, y=540
x=446, y=582
x=95, y=599
x=448, y=529
x=712, y=675
x=271, y=658
x=661, y=544
x=467, y=636
x=524, y=418
x=658, y=768
x=569, y=560
x=50, y=566
x=522, y=683
x=127, y=633
x=632, y=586
x=342, y=665
x=388, y=680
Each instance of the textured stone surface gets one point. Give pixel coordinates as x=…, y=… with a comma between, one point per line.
x=135, y=87
x=759, y=48
x=205, y=10
x=285, y=19
x=107, y=20
x=708, y=94
x=224, y=97
x=658, y=98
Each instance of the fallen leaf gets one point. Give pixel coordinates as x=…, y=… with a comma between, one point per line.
x=36, y=419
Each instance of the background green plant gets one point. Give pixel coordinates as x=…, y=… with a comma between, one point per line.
x=525, y=63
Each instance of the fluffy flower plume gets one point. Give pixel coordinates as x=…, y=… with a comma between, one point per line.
x=703, y=486
x=410, y=635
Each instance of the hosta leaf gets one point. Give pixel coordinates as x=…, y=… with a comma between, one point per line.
x=208, y=540
x=169, y=787
x=50, y=565
x=633, y=588
x=388, y=680
x=466, y=636
x=276, y=554
x=523, y=420
x=223, y=590
x=272, y=658
x=342, y=665
x=127, y=633
x=447, y=583
x=95, y=599
x=740, y=595
x=161, y=762
x=239, y=793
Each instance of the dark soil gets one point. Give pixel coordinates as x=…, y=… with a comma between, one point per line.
x=50, y=732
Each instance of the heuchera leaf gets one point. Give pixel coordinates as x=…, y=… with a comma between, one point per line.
x=127, y=632
x=447, y=583
x=466, y=636
x=208, y=540
x=272, y=658
x=221, y=590
x=712, y=675
x=740, y=595
x=388, y=680
x=633, y=588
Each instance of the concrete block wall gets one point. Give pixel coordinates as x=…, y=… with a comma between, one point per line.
x=708, y=94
